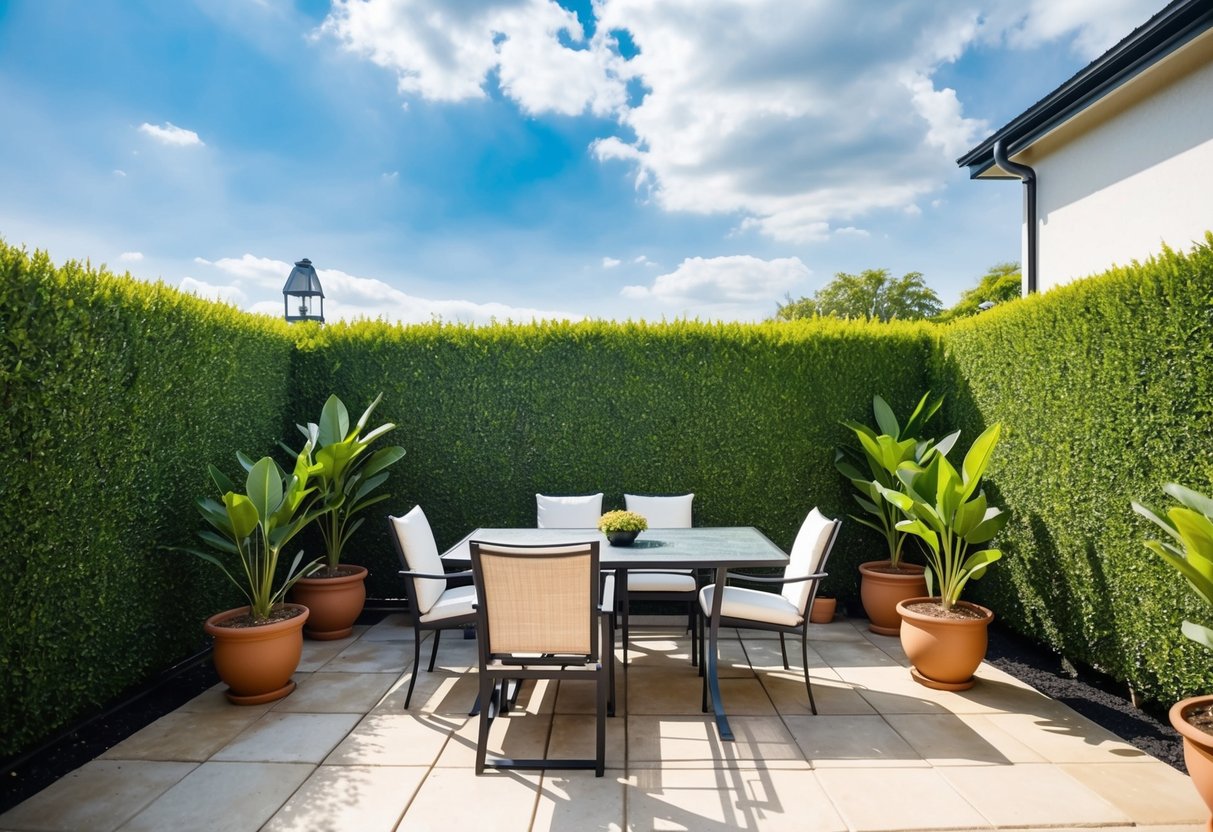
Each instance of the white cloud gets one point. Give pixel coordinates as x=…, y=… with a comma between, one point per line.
x=348, y=297
x=119, y=173
x=446, y=52
x=391, y=177
x=210, y=291
x=172, y=135
x=131, y=256
x=851, y=231
x=795, y=118
x=610, y=262
x=1095, y=25
x=734, y=287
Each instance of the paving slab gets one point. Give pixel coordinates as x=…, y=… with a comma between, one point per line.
x=349, y=799
x=289, y=738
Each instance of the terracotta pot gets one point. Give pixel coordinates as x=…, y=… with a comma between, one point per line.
x=256, y=663
x=881, y=591
x=944, y=652
x=335, y=603
x=823, y=610
x=1198, y=748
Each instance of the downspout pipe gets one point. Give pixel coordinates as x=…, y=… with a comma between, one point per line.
x=1028, y=176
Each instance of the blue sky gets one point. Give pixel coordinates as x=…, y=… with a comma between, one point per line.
x=521, y=158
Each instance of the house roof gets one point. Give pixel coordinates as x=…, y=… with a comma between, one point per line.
x=1160, y=36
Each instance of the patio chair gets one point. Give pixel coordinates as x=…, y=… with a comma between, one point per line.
x=436, y=606
x=568, y=512
x=668, y=584
x=787, y=611
x=539, y=616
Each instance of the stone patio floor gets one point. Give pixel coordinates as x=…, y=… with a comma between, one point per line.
x=884, y=753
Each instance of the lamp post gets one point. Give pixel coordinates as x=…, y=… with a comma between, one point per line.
x=304, y=285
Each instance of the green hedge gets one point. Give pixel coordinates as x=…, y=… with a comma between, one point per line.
x=744, y=416
x=1105, y=391
x=116, y=394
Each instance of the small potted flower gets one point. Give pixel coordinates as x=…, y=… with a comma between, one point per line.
x=621, y=527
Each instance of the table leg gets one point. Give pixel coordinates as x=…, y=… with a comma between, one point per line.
x=722, y=721
x=621, y=592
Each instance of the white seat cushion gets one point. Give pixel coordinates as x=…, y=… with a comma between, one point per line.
x=568, y=512
x=752, y=605
x=661, y=582
x=458, y=600
x=608, y=592
x=420, y=555
x=806, y=556
x=662, y=512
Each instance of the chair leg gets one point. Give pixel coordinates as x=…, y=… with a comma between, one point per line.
x=600, y=736
x=408, y=697
x=693, y=622
x=434, y=652
x=804, y=657
x=783, y=648
x=486, y=707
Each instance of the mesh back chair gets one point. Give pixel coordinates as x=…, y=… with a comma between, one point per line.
x=568, y=512
x=435, y=605
x=539, y=617
x=787, y=611
x=668, y=584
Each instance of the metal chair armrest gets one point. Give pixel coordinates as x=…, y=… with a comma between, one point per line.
x=444, y=575
x=765, y=579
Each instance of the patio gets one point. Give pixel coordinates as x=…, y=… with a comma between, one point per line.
x=883, y=754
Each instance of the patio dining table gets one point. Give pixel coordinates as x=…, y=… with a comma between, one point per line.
x=716, y=548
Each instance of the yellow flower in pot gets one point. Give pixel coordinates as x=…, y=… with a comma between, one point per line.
x=622, y=527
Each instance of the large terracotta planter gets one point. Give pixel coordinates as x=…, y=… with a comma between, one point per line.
x=881, y=590
x=1198, y=748
x=944, y=652
x=335, y=603
x=257, y=663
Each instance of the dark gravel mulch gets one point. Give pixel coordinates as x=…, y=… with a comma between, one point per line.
x=1088, y=693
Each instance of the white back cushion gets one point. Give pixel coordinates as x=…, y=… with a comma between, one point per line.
x=568, y=512
x=662, y=512
x=420, y=555
x=806, y=556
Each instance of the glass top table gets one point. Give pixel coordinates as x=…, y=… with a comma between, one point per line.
x=718, y=548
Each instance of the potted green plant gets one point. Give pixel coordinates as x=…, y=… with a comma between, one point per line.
x=945, y=638
x=1189, y=550
x=257, y=647
x=347, y=475
x=872, y=468
x=622, y=527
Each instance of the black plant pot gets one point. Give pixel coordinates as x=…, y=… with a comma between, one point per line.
x=621, y=538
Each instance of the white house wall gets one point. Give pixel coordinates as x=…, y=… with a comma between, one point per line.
x=1128, y=175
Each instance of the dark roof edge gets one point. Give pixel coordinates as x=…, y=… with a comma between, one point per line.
x=1164, y=33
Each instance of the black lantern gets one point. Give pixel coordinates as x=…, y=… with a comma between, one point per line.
x=305, y=287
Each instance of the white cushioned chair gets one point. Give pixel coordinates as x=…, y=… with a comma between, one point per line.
x=435, y=605
x=568, y=512
x=786, y=611
x=664, y=585
x=540, y=617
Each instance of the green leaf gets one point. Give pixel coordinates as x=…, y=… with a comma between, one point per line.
x=381, y=459
x=1192, y=499
x=264, y=487
x=978, y=458
x=242, y=513
x=1199, y=633
x=885, y=418
x=993, y=522
x=221, y=480
x=334, y=423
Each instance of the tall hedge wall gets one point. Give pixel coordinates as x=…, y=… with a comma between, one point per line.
x=116, y=394
x=744, y=416
x=1105, y=390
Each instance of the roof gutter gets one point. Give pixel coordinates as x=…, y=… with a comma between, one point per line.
x=1028, y=176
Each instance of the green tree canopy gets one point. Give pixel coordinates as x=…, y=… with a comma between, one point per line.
x=872, y=294
x=1002, y=282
